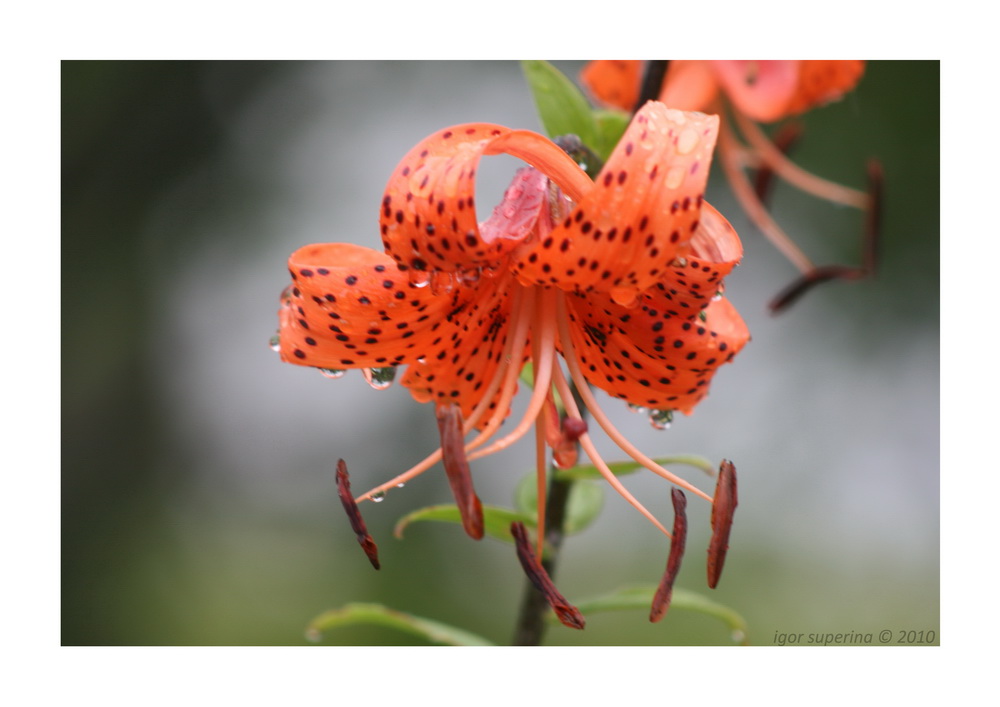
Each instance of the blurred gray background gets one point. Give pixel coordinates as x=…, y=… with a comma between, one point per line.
x=199, y=505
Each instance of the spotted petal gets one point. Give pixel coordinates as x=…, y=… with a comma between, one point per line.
x=640, y=214
x=428, y=218
x=663, y=352
x=349, y=307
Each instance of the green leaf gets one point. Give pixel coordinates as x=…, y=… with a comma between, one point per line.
x=588, y=471
x=353, y=614
x=582, y=507
x=641, y=597
x=496, y=520
x=563, y=109
x=611, y=125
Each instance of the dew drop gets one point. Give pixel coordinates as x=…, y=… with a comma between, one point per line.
x=399, y=486
x=332, y=372
x=275, y=342
x=378, y=497
x=679, y=263
x=380, y=378
x=661, y=419
x=442, y=282
x=419, y=278
x=636, y=408
x=470, y=276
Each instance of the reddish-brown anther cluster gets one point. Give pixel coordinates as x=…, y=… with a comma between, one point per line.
x=456, y=466
x=568, y=614
x=661, y=600
x=723, y=508
x=357, y=522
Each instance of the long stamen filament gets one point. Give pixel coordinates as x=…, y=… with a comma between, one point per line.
x=592, y=405
x=541, y=487
x=588, y=446
x=729, y=151
x=545, y=350
x=795, y=175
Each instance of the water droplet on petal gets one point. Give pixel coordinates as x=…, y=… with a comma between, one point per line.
x=380, y=378
x=275, y=342
x=636, y=408
x=661, y=419
x=679, y=263
x=442, y=282
x=332, y=372
x=378, y=497
x=470, y=276
x=419, y=278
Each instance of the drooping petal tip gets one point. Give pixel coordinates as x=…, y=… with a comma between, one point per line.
x=723, y=507
x=568, y=614
x=354, y=514
x=661, y=600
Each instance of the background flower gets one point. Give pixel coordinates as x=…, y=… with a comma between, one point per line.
x=199, y=499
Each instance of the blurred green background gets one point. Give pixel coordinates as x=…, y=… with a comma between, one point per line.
x=198, y=500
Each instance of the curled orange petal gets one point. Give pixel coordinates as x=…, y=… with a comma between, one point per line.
x=641, y=213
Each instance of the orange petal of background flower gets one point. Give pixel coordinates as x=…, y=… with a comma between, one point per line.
x=824, y=81
x=689, y=85
x=349, y=307
x=639, y=215
x=761, y=90
x=770, y=90
x=614, y=83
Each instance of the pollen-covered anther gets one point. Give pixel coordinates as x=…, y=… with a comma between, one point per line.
x=723, y=507
x=456, y=466
x=661, y=600
x=568, y=614
x=354, y=514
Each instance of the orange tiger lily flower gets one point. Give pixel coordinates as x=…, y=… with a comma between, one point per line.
x=620, y=277
x=756, y=91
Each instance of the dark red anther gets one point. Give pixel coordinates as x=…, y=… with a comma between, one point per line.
x=456, y=466
x=873, y=220
x=573, y=428
x=869, y=254
x=723, y=507
x=661, y=600
x=354, y=514
x=806, y=282
x=568, y=614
